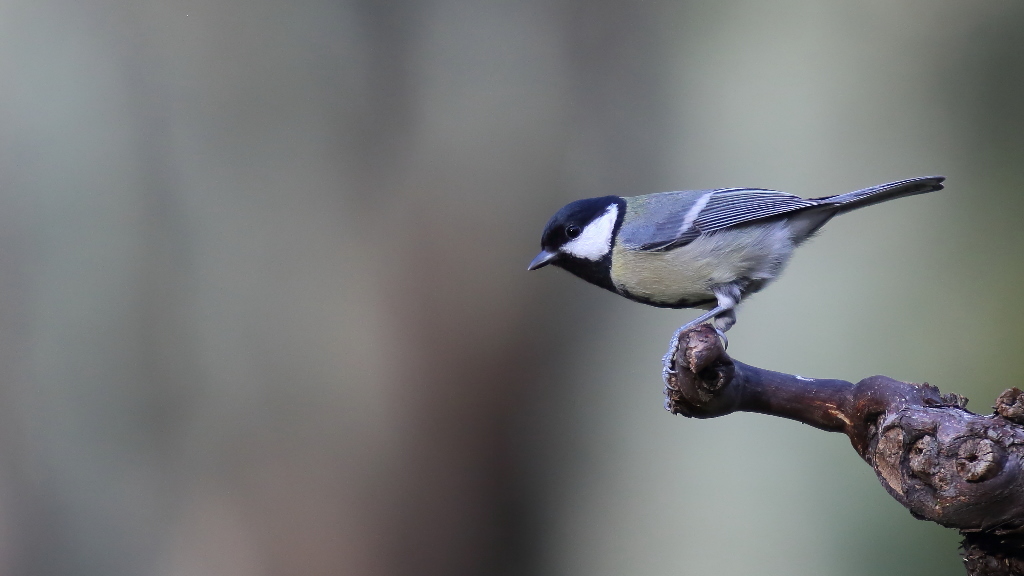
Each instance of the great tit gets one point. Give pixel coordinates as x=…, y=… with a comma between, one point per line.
x=706, y=249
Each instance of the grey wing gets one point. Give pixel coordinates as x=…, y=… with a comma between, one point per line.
x=655, y=221
x=730, y=207
x=706, y=211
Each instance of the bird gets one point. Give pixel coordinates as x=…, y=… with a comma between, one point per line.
x=703, y=249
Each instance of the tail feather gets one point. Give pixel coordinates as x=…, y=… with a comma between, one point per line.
x=883, y=192
x=806, y=223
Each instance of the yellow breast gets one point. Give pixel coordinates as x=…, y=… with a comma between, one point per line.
x=690, y=272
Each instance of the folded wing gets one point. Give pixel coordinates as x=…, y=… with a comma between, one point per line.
x=673, y=219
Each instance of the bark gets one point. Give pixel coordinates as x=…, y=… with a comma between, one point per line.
x=936, y=458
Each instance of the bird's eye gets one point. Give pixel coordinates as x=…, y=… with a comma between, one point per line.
x=572, y=231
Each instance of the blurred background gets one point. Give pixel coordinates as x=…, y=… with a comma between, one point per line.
x=264, y=307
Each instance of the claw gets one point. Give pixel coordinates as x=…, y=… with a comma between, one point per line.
x=723, y=338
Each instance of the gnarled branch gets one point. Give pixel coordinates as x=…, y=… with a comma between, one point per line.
x=936, y=458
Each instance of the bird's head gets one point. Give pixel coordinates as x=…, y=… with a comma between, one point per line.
x=579, y=238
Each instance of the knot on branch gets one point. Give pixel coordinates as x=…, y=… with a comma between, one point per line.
x=1010, y=405
x=950, y=466
x=701, y=369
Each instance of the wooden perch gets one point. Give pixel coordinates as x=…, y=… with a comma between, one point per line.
x=936, y=458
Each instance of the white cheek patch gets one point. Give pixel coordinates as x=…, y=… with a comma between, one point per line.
x=595, y=241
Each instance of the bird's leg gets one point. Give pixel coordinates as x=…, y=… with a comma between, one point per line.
x=724, y=315
x=724, y=321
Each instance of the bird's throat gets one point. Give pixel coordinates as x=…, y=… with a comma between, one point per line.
x=597, y=272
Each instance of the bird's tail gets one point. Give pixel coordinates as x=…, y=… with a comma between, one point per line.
x=807, y=222
x=882, y=193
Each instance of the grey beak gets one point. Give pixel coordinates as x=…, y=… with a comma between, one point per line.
x=542, y=260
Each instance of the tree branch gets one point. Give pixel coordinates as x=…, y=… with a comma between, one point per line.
x=939, y=460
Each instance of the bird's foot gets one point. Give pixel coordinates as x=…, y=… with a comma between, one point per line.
x=669, y=359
